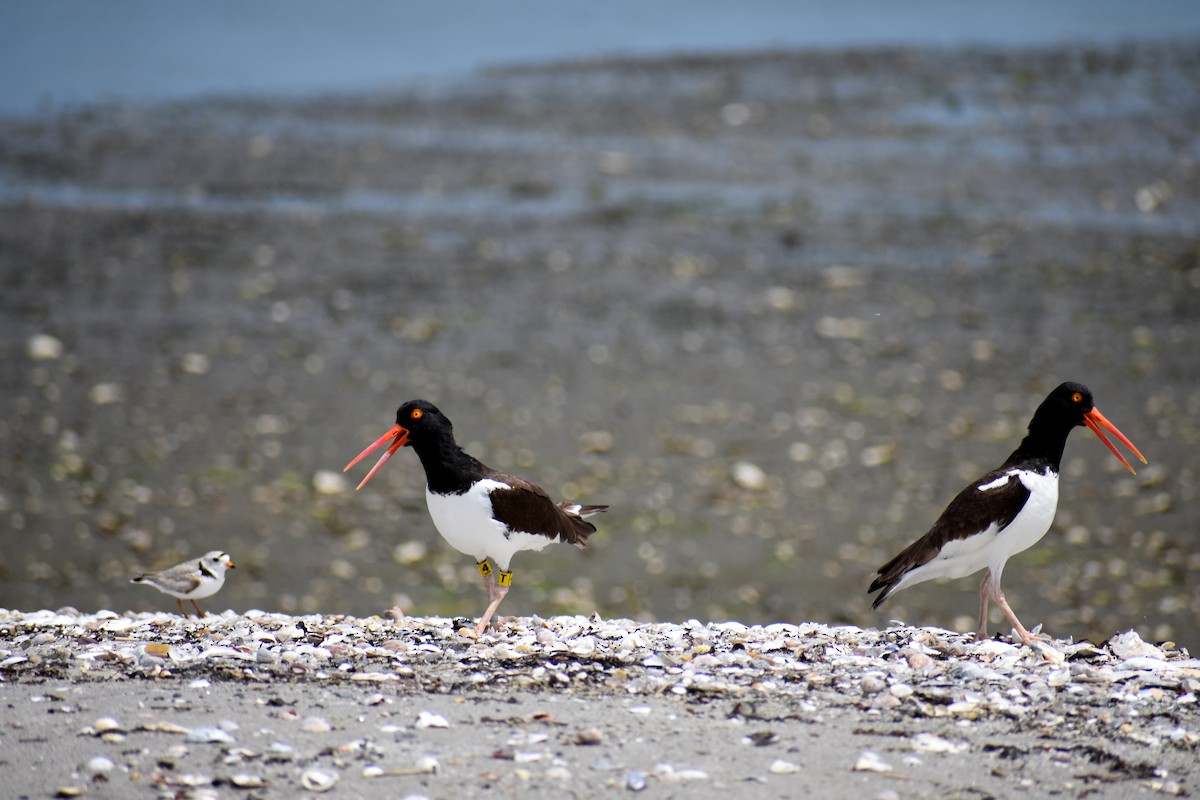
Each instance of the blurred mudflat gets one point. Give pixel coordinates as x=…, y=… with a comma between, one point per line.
x=775, y=309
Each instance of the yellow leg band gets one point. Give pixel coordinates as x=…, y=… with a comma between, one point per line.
x=485, y=568
x=505, y=578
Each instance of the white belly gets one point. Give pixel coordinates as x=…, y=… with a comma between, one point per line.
x=465, y=521
x=992, y=548
x=207, y=588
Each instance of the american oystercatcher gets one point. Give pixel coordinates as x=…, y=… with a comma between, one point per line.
x=1004, y=512
x=192, y=580
x=482, y=512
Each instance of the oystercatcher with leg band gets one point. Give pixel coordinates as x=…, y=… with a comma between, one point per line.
x=482, y=512
x=1004, y=512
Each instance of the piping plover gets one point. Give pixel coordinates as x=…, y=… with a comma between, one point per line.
x=191, y=580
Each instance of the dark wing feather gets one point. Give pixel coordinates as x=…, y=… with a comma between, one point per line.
x=969, y=513
x=526, y=507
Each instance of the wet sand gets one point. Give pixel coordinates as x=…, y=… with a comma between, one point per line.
x=276, y=706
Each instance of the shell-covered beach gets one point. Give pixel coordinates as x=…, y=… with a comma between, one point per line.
x=272, y=706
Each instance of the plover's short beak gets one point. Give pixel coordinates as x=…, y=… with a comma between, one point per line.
x=398, y=434
x=1096, y=421
x=229, y=565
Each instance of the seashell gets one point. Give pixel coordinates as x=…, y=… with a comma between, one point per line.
x=589, y=736
x=99, y=766
x=1129, y=645
x=107, y=725
x=208, y=736
x=427, y=719
x=318, y=780
x=931, y=743
x=869, y=761
x=315, y=725
x=781, y=767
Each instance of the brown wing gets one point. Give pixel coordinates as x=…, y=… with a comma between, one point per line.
x=526, y=507
x=969, y=513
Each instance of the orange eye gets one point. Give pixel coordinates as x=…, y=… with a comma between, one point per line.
x=417, y=413
x=1077, y=397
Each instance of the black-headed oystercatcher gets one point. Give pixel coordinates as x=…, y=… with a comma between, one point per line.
x=482, y=512
x=1004, y=512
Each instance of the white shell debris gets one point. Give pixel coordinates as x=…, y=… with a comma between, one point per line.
x=1129, y=645
x=932, y=743
x=328, y=482
x=315, y=725
x=917, y=673
x=44, y=347
x=208, y=736
x=750, y=476
x=427, y=719
x=99, y=766
x=869, y=761
x=318, y=780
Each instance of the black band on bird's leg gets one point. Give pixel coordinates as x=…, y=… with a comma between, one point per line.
x=505, y=578
x=484, y=568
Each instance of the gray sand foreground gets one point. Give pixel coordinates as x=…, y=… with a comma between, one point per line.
x=268, y=705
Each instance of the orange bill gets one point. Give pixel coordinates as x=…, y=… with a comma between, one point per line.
x=1096, y=421
x=400, y=437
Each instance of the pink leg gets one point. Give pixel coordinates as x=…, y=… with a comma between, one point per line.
x=997, y=596
x=985, y=591
x=496, y=593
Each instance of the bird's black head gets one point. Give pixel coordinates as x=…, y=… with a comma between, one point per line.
x=420, y=425
x=1068, y=406
x=423, y=421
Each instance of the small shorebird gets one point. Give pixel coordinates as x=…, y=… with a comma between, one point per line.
x=1004, y=512
x=192, y=580
x=480, y=511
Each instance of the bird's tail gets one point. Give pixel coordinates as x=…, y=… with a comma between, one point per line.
x=882, y=583
x=579, y=530
x=577, y=510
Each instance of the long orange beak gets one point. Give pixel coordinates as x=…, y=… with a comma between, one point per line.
x=400, y=435
x=1096, y=421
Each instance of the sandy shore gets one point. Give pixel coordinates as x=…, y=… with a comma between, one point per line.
x=269, y=705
